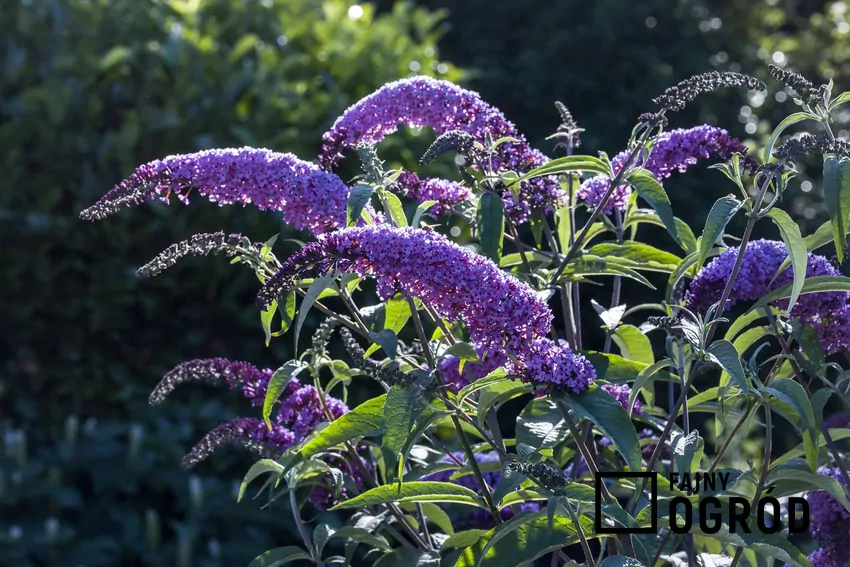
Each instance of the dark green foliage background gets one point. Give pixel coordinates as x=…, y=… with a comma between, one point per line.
x=92, y=88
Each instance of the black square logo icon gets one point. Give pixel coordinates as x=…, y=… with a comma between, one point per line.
x=653, y=482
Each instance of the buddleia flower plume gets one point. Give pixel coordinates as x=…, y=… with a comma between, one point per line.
x=198, y=245
x=797, y=148
x=308, y=197
x=802, y=87
x=448, y=194
x=247, y=432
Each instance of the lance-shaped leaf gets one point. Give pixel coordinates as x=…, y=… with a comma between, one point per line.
x=401, y=410
x=718, y=217
x=796, y=250
x=490, y=218
x=358, y=198
x=836, y=192
x=365, y=419
x=417, y=491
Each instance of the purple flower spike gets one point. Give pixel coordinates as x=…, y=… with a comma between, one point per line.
x=830, y=524
x=498, y=309
x=675, y=150
x=621, y=393
x=302, y=411
x=235, y=374
x=449, y=367
x=552, y=364
x=448, y=194
x=422, y=102
x=308, y=197
x=248, y=432
x=828, y=312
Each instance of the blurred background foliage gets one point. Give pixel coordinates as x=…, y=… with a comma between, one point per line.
x=89, y=473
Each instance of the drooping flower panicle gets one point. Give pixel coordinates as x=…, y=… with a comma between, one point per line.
x=448, y=194
x=498, y=309
x=308, y=197
x=547, y=363
x=302, y=410
x=423, y=102
x=830, y=523
x=802, y=87
x=198, y=245
x=675, y=150
x=247, y=432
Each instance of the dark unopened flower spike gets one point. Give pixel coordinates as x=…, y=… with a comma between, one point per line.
x=798, y=147
x=803, y=87
x=198, y=245
x=251, y=433
x=677, y=97
x=457, y=141
x=391, y=375
x=323, y=335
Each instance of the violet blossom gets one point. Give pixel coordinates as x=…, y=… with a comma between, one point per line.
x=308, y=197
x=828, y=312
x=448, y=194
x=830, y=524
x=423, y=102
x=449, y=367
x=555, y=365
x=621, y=393
x=248, y=432
x=675, y=150
x=302, y=410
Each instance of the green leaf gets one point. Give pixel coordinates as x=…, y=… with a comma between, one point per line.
x=768, y=545
x=789, y=121
x=687, y=451
x=286, y=308
x=616, y=369
x=799, y=450
x=524, y=538
x=563, y=219
x=796, y=250
x=280, y=556
x=396, y=315
x=633, y=344
x=396, y=209
x=653, y=193
x=816, y=284
x=401, y=410
x=497, y=375
x=490, y=218
x=724, y=353
x=433, y=513
x=316, y=288
x=836, y=192
x=407, y=557
x=643, y=378
x=568, y=163
x=464, y=352
x=463, y=539
x=416, y=491
x=509, y=481
x=259, y=468
x=277, y=383
x=793, y=394
x=358, y=198
x=540, y=424
x=266, y=318
x=498, y=393
x=366, y=418
x=321, y=534
x=421, y=210
x=611, y=418
x=588, y=265
x=804, y=481
x=637, y=255
x=838, y=101
x=361, y=535
x=620, y=561
x=687, y=241
x=718, y=217
x=387, y=340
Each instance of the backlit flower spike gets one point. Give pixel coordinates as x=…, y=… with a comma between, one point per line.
x=423, y=102
x=499, y=310
x=675, y=150
x=448, y=194
x=235, y=374
x=247, y=432
x=830, y=524
x=308, y=197
x=302, y=410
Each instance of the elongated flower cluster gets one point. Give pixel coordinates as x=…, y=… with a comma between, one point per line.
x=828, y=312
x=198, y=245
x=675, y=150
x=547, y=363
x=497, y=308
x=302, y=411
x=247, y=432
x=448, y=194
x=457, y=141
x=423, y=102
x=803, y=87
x=830, y=524
x=449, y=367
x=390, y=375
x=677, y=97
x=308, y=197
x=621, y=393
x=798, y=147
x=463, y=519
x=568, y=130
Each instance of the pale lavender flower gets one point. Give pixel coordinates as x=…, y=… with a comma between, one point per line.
x=448, y=194
x=235, y=374
x=830, y=523
x=423, y=102
x=621, y=393
x=247, y=432
x=550, y=364
x=308, y=197
x=497, y=308
x=827, y=311
x=675, y=150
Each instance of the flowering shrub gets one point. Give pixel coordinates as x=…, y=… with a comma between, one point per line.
x=426, y=473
